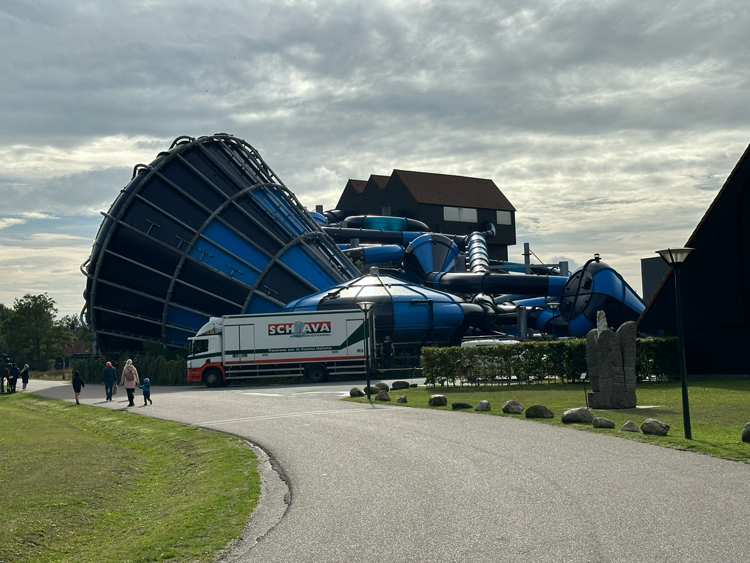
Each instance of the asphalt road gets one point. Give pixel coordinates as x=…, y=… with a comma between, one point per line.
x=383, y=483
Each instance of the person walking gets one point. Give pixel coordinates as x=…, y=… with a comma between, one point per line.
x=109, y=375
x=13, y=374
x=130, y=380
x=386, y=352
x=25, y=376
x=78, y=384
x=4, y=363
x=146, y=391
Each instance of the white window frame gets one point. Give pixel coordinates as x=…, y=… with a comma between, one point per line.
x=504, y=218
x=460, y=214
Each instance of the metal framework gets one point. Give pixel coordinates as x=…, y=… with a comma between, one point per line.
x=218, y=168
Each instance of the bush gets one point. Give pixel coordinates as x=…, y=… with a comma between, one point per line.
x=563, y=360
x=159, y=369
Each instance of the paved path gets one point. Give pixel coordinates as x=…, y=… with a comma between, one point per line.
x=373, y=484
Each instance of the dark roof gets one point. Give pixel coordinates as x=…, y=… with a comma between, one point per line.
x=380, y=181
x=691, y=241
x=458, y=191
x=358, y=185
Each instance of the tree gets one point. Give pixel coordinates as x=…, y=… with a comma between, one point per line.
x=31, y=332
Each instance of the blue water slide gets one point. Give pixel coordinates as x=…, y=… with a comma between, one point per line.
x=496, y=284
x=379, y=254
x=405, y=311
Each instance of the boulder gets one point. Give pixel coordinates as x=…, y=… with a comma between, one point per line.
x=413, y=385
x=746, y=433
x=539, y=411
x=581, y=414
x=512, y=407
x=356, y=392
x=483, y=406
x=383, y=386
x=653, y=426
x=401, y=399
x=460, y=405
x=382, y=396
x=399, y=385
x=437, y=401
x=372, y=390
x=630, y=426
x=601, y=422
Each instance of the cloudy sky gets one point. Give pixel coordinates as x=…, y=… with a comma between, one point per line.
x=609, y=124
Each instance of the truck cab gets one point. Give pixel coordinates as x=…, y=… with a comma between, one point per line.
x=204, y=360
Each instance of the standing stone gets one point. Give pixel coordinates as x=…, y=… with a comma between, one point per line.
x=581, y=414
x=746, y=433
x=630, y=426
x=610, y=358
x=437, y=401
x=483, y=406
x=626, y=335
x=653, y=426
x=592, y=360
x=512, y=407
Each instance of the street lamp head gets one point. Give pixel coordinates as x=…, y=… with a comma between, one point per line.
x=674, y=256
x=366, y=306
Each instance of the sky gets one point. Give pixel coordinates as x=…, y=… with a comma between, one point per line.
x=610, y=125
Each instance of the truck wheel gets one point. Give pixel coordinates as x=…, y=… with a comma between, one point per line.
x=212, y=378
x=316, y=373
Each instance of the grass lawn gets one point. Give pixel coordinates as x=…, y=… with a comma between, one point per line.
x=80, y=483
x=718, y=410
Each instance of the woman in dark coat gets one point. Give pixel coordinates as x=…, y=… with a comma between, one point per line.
x=77, y=384
x=25, y=376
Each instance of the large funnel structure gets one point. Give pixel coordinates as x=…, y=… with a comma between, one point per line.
x=207, y=229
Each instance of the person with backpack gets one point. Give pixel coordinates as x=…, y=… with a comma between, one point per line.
x=129, y=380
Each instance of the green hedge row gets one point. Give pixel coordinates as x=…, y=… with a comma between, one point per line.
x=159, y=370
x=563, y=360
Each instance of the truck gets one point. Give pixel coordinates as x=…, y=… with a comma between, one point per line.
x=311, y=344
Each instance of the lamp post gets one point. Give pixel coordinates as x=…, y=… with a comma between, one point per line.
x=675, y=257
x=553, y=305
x=366, y=307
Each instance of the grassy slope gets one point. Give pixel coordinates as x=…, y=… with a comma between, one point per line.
x=718, y=410
x=86, y=484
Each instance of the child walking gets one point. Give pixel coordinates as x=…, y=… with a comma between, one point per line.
x=146, y=392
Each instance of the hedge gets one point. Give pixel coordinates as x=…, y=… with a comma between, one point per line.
x=159, y=369
x=563, y=360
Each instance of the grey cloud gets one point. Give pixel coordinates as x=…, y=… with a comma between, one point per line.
x=82, y=192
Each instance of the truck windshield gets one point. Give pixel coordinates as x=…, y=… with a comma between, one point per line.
x=198, y=347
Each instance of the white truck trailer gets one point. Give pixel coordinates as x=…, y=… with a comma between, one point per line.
x=312, y=344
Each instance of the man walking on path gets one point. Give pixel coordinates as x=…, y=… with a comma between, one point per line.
x=108, y=378
x=386, y=351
